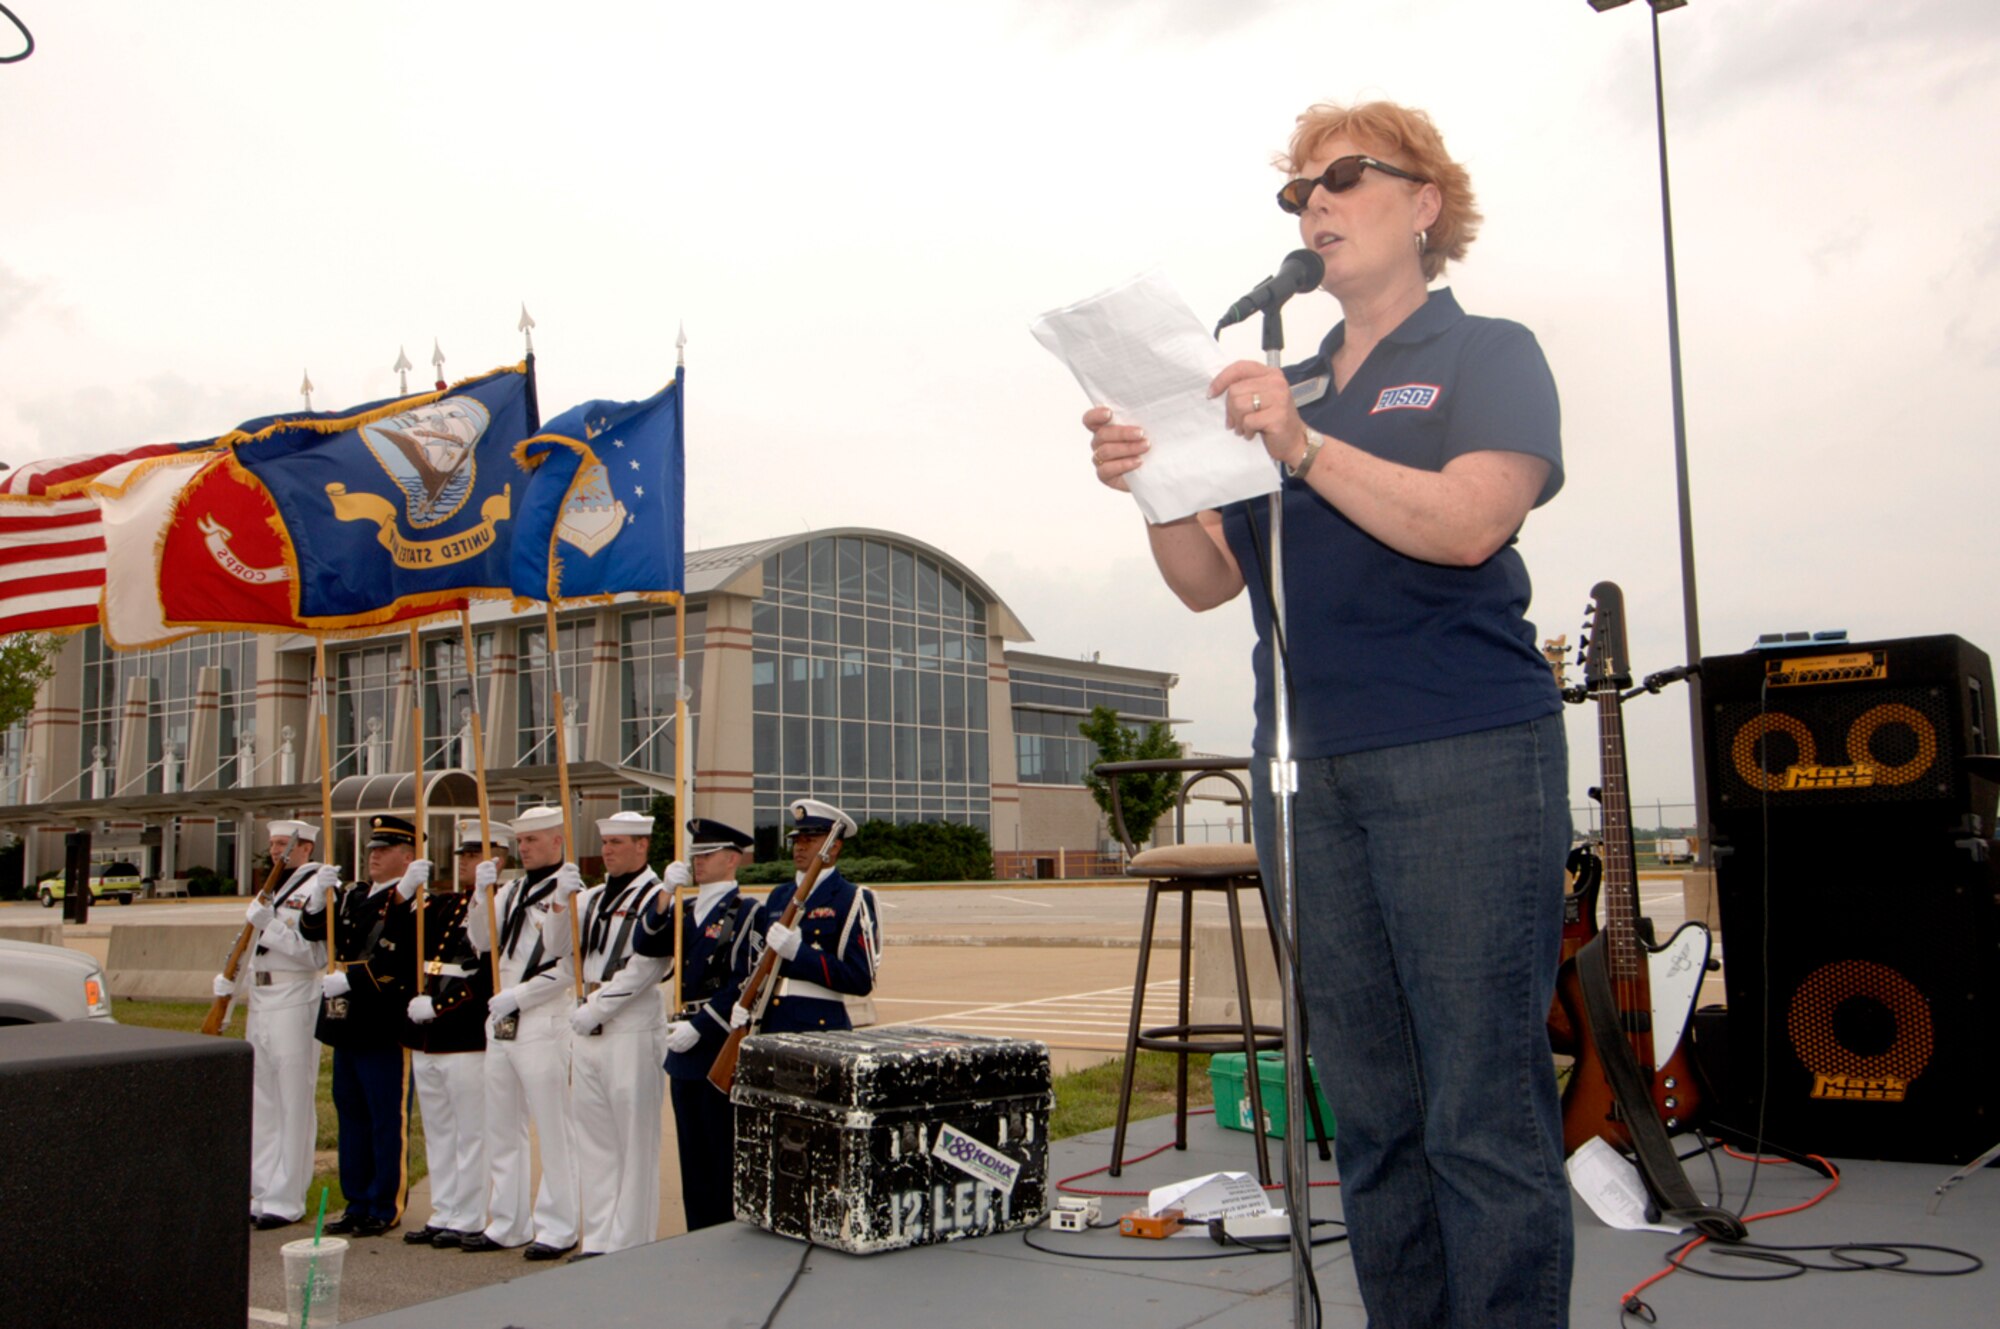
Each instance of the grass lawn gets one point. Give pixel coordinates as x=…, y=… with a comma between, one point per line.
x=1087, y=1100
x=187, y=1016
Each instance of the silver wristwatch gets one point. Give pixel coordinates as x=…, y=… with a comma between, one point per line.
x=1314, y=442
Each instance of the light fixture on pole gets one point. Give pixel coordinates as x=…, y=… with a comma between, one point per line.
x=1690, y=609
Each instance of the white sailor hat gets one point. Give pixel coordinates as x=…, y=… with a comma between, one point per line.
x=544, y=818
x=626, y=823
x=304, y=830
x=470, y=841
x=706, y=835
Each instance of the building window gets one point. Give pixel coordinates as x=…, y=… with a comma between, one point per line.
x=868, y=684
x=449, y=700
x=1049, y=708
x=368, y=696
x=536, y=745
x=175, y=672
x=647, y=679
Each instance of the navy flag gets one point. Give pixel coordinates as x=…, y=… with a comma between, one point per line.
x=601, y=511
x=399, y=504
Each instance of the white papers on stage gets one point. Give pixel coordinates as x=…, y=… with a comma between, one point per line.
x=1217, y=1195
x=1611, y=1187
x=1140, y=350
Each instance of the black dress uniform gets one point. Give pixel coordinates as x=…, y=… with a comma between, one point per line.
x=375, y=939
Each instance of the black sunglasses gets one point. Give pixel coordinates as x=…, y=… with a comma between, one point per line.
x=1341, y=175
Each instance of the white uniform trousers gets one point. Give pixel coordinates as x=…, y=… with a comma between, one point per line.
x=451, y=1090
x=284, y=1079
x=617, y=1087
x=527, y=1078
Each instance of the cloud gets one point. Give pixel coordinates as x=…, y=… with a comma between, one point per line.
x=17, y=294
x=1185, y=20
x=162, y=409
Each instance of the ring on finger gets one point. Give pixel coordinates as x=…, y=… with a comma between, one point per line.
x=1256, y=402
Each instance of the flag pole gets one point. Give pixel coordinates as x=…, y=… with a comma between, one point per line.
x=325, y=783
x=680, y=771
x=479, y=777
x=557, y=717
x=417, y=733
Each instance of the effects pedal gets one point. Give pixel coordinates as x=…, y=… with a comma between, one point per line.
x=1073, y=1213
x=1139, y=1223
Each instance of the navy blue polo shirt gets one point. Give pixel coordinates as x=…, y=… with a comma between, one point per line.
x=1385, y=649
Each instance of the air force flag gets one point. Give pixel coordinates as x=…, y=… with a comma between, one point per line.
x=397, y=505
x=601, y=511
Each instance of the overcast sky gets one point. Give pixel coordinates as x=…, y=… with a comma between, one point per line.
x=858, y=209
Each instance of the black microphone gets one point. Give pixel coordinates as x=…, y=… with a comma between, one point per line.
x=1302, y=270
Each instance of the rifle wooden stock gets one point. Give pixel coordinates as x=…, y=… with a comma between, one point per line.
x=218, y=1010
x=723, y=1073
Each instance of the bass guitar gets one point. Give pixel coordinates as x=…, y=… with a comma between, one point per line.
x=1655, y=987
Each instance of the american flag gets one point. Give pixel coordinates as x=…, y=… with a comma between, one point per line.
x=52, y=548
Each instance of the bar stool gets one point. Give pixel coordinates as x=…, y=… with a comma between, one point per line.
x=1186, y=870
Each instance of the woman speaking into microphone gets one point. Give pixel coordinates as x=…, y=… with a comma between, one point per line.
x=1431, y=817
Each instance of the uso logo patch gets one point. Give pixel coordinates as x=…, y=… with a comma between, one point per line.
x=1409, y=397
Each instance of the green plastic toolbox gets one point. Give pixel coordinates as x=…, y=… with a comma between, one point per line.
x=1232, y=1098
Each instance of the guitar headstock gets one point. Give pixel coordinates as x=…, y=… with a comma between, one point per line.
x=1556, y=651
x=1605, y=662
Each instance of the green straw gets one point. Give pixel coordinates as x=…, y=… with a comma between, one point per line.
x=312, y=1267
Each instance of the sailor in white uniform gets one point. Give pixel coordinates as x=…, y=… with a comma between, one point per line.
x=527, y=1049
x=280, y=976
x=617, y=1087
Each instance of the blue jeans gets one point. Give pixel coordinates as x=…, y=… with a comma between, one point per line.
x=1430, y=885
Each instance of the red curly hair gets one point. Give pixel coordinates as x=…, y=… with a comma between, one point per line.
x=1405, y=137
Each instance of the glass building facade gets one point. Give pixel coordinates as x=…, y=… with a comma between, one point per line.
x=1048, y=708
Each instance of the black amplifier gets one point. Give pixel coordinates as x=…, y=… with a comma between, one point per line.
x=876, y=1139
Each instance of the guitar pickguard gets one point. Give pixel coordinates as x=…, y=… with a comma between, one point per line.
x=1675, y=972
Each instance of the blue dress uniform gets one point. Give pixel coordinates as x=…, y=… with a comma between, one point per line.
x=715, y=935
x=839, y=952
x=375, y=940
x=448, y=1067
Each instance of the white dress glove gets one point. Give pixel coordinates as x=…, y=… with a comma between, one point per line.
x=785, y=941
x=679, y=877
x=504, y=1002
x=485, y=875
x=682, y=1036
x=422, y=1010
x=335, y=984
x=585, y=1018
x=224, y=986
x=739, y=1016
x=414, y=877
x=325, y=883
x=259, y=914
x=568, y=882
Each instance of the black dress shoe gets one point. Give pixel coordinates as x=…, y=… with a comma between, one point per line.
x=371, y=1226
x=266, y=1222
x=543, y=1251
x=478, y=1242
x=445, y=1238
x=581, y=1256
x=346, y=1223
x=423, y=1236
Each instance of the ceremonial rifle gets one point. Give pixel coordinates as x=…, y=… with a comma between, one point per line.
x=723, y=1073
x=218, y=1010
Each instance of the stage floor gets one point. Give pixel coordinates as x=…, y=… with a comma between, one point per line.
x=735, y=1275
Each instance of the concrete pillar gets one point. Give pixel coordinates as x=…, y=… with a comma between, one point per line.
x=53, y=742
x=724, y=752
x=1002, y=761
x=134, y=738
x=402, y=755
x=204, y=754
x=500, y=719
x=284, y=680
x=605, y=741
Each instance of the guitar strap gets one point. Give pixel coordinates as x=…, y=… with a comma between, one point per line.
x=1657, y=1160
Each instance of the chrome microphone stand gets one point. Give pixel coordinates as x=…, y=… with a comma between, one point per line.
x=1284, y=785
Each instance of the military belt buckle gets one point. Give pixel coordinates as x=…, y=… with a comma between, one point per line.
x=434, y=968
x=263, y=979
x=336, y=1008
x=507, y=1027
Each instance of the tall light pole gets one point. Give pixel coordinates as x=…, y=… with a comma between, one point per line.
x=1690, y=608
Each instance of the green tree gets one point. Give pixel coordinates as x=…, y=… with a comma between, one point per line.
x=26, y=661
x=1143, y=797
x=665, y=832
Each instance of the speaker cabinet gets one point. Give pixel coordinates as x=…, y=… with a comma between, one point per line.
x=126, y=1176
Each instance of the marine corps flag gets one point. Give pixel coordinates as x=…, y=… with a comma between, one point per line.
x=601, y=510
x=398, y=506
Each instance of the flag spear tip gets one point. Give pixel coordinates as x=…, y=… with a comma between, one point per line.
x=437, y=353
x=680, y=345
x=305, y=381
x=402, y=365
x=527, y=326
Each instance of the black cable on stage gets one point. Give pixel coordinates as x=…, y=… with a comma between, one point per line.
x=26, y=36
x=1233, y=1248
x=1786, y=1264
x=804, y=1255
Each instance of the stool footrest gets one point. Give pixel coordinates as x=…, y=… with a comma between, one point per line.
x=1209, y=1038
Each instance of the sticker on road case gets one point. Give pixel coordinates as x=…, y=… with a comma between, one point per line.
x=979, y=1161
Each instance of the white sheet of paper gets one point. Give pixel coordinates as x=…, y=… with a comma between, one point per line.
x=1611, y=1187
x=1217, y=1195
x=1140, y=350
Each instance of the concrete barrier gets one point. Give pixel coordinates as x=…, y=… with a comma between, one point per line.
x=45, y=934
x=1214, y=1000
x=170, y=961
